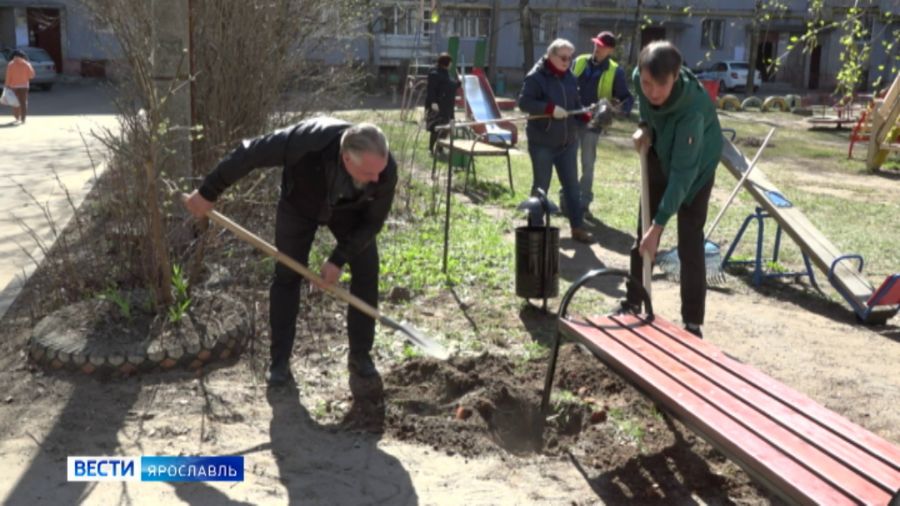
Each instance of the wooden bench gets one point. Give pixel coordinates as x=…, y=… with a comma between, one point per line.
x=792, y=445
x=472, y=148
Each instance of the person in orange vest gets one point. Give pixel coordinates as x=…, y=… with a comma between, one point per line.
x=599, y=77
x=18, y=74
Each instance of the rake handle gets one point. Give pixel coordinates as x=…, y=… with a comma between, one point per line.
x=737, y=188
x=452, y=124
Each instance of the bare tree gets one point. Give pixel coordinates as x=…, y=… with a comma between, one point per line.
x=254, y=65
x=527, y=35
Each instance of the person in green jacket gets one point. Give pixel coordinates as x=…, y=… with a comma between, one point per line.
x=686, y=144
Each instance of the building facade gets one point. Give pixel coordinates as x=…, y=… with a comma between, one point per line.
x=63, y=28
x=408, y=33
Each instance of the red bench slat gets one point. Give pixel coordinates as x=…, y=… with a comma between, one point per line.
x=682, y=391
x=862, y=438
x=767, y=404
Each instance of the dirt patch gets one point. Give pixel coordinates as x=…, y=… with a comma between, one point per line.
x=490, y=405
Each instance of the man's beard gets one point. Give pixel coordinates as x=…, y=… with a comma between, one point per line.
x=359, y=185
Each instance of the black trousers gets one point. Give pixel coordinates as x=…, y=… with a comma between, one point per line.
x=432, y=121
x=294, y=234
x=691, y=220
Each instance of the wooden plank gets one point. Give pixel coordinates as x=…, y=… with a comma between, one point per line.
x=886, y=117
x=862, y=438
x=768, y=403
x=798, y=227
x=793, y=480
x=747, y=415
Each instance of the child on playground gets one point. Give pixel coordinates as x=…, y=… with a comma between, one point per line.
x=685, y=147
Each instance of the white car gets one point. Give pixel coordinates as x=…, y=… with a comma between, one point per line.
x=44, y=68
x=730, y=74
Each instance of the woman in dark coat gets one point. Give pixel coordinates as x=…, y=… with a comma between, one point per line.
x=550, y=92
x=440, y=98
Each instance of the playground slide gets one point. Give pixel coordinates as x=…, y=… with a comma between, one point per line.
x=481, y=106
x=843, y=271
x=885, y=121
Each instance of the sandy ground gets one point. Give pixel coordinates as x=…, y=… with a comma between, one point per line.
x=814, y=347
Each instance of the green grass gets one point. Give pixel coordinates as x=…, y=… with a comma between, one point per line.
x=856, y=210
x=628, y=427
x=412, y=255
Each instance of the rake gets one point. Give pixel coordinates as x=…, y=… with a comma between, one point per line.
x=669, y=262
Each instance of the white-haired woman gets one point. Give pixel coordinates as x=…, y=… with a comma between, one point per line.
x=550, y=89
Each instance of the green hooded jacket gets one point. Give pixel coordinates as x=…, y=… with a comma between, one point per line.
x=687, y=139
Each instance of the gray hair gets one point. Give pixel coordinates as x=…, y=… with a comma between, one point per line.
x=558, y=44
x=364, y=138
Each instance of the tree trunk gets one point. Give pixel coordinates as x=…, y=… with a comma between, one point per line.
x=753, y=49
x=171, y=68
x=636, y=36
x=495, y=34
x=527, y=35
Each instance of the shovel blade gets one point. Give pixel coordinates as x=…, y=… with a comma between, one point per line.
x=428, y=346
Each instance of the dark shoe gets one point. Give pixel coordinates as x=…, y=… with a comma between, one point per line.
x=626, y=307
x=582, y=235
x=279, y=375
x=361, y=365
x=694, y=329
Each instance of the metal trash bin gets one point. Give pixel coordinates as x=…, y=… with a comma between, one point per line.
x=537, y=252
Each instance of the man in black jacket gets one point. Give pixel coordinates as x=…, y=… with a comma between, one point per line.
x=334, y=174
x=440, y=98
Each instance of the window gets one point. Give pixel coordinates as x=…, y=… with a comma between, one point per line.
x=544, y=26
x=712, y=33
x=468, y=22
x=401, y=20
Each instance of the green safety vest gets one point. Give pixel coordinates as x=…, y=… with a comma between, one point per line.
x=605, y=84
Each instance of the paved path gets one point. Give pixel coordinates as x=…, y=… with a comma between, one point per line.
x=50, y=142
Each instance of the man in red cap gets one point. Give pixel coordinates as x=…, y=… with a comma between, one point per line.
x=598, y=77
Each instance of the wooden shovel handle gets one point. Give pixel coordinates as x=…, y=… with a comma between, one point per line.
x=294, y=265
x=641, y=138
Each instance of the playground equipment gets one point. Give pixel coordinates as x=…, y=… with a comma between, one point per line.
x=870, y=305
x=481, y=104
x=845, y=112
x=729, y=102
x=862, y=132
x=885, y=124
x=779, y=103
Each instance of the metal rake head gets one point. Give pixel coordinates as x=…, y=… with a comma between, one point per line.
x=670, y=265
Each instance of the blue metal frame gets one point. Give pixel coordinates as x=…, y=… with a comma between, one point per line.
x=863, y=311
x=759, y=273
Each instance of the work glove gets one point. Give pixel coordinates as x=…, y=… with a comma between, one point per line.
x=559, y=112
x=435, y=108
